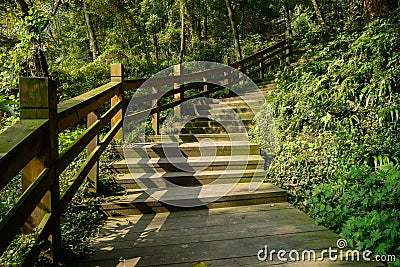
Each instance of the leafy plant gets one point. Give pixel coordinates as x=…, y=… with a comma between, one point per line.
x=338, y=142
x=362, y=207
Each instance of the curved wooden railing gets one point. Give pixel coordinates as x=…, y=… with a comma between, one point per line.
x=30, y=147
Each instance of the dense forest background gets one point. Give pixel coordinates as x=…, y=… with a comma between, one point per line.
x=74, y=42
x=336, y=110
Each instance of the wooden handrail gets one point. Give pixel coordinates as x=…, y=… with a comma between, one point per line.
x=75, y=109
x=33, y=140
x=20, y=143
x=22, y=147
x=257, y=55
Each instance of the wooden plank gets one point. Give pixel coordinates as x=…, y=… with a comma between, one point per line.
x=186, y=252
x=202, y=226
x=130, y=85
x=189, y=222
x=11, y=224
x=226, y=81
x=179, y=95
x=158, y=95
x=76, y=147
x=35, y=98
x=228, y=211
x=142, y=203
x=266, y=57
x=155, y=118
x=147, y=112
x=117, y=75
x=93, y=174
x=38, y=97
x=210, y=74
x=117, y=72
x=75, y=109
x=256, y=55
x=191, y=77
x=18, y=145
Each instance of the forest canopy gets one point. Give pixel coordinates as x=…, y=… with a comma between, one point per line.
x=336, y=110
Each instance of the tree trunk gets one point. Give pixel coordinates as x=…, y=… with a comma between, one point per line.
x=319, y=13
x=37, y=62
x=288, y=32
x=182, y=14
x=125, y=15
x=238, y=51
x=288, y=21
x=377, y=8
x=155, y=41
x=205, y=23
x=91, y=34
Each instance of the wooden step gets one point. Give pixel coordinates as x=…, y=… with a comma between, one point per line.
x=215, y=130
x=225, y=121
x=129, y=181
x=250, y=98
x=197, y=137
x=191, y=164
x=223, y=114
x=203, y=148
x=267, y=85
x=138, y=201
x=235, y=104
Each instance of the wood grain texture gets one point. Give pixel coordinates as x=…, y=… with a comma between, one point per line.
x=218, y=237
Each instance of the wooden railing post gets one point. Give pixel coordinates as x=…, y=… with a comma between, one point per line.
x=288, y=52
x=261, y=66
x=38, y=100
x=117, y=75
x=178, y=71
x=227, y=62
x=205, y=86
x=93, y=175
x=155, y=118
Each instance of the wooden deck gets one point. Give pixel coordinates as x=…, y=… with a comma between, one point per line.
x=228, y=232
x=217, y=237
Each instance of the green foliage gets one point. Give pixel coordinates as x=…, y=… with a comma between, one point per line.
x=338, y=110
x=336, y=116
x=18, y=249
x=304, y=26
x=363, y=207
x=264, y=132
x=7, y=114
x=79, y=224
x=9, y=195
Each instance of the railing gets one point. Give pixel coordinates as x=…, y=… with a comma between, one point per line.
x=259, y=62
x=30, y=147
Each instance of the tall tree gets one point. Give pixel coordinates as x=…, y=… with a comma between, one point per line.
x=377, y=8
x=183, y=42
x=205, y=23
x=318, y=13
x=235, y=33
x=91, y=33
x=37, y=62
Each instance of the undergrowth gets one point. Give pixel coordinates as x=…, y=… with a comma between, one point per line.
x=338, y=139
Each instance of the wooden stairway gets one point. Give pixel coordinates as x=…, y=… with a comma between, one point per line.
x=205, y=153
x=231, y=231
